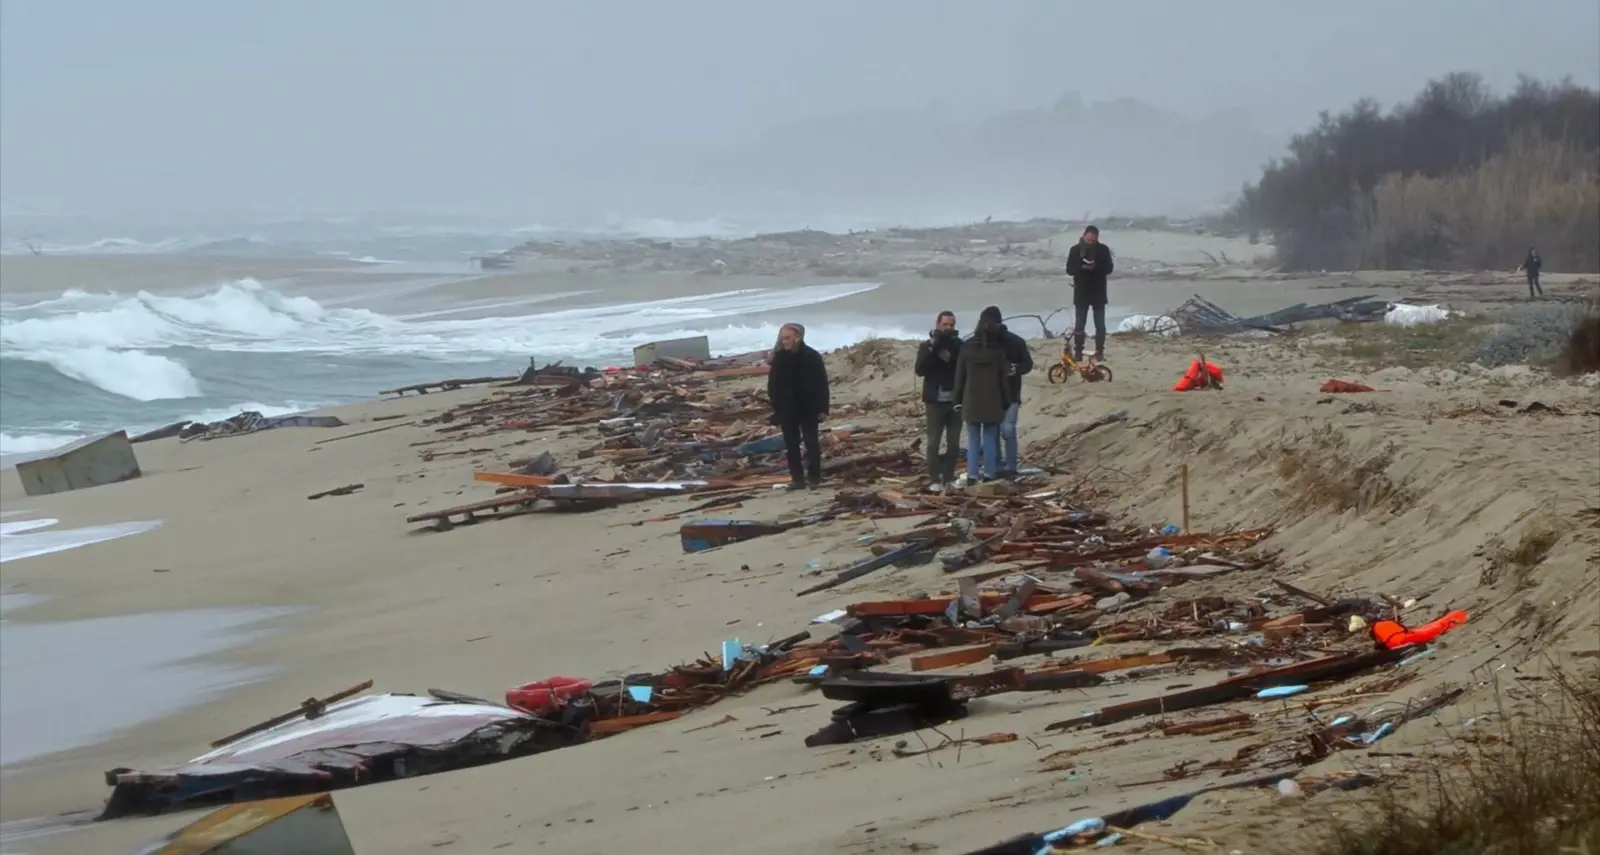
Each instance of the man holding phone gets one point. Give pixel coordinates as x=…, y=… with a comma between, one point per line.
x=936, y=365
x=1089, y=263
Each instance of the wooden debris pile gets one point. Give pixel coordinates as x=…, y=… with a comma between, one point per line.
x=1199, y=316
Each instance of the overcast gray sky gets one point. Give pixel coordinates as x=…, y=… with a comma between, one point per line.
x=298, y=106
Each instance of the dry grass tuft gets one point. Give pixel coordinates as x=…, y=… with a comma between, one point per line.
x=1518, y=560
x=1326, y=474
x=1533, y=788
x=1452, y=342
x=1582, y=355
x=880, y=354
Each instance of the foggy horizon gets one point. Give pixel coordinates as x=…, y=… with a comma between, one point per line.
x=183, y=109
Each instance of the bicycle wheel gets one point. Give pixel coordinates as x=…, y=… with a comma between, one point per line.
x=1102, y=372
x=1057, y=373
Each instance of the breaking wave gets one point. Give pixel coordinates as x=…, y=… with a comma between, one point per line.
x=95, y=337
x=83, y=363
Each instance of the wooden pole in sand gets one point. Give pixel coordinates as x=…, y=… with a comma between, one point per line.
x=1185, y=478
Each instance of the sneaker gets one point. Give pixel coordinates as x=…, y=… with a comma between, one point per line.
x=934, y=487
x=797, y=484
x=813, y=483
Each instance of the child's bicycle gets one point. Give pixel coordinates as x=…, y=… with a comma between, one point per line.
x=1091, y=370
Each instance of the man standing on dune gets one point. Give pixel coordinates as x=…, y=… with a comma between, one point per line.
x=1089, y=263
x=936, y=365
x=797, y=386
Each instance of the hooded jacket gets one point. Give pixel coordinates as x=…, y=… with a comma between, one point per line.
x=1089, y=286
x=1017, y=354
x=938, y=375
x=797, y=384
x=982, y=388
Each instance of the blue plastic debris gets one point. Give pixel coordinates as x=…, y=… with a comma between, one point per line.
x=1281, y=691
x=640, y=694
x=769, y=445
x=1092, y=825
x=1373, y=736
x=731, y=650
x=818, y=671
x=1414, y=657
x=1108, y=841
x=1169, y=528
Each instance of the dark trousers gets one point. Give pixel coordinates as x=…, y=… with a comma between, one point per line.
x=795, y=430
x=944, y=425
x=1080, y=318
x=1533, y=284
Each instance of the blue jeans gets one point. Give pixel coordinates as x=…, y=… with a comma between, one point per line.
x=1008, y=439
x=983, y=443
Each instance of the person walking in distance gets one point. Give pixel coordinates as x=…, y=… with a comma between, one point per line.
x=1019, y=361
x=936, y=365
x=797, y=386
x=982, y=393
x=1531, y=266
x=1089, y=263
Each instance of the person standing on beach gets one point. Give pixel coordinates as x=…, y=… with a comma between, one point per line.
x=936, y=365
x=983, y=393
x=1019, y=361
x=1531, y=266
x=1089, y=263
x=797, y=386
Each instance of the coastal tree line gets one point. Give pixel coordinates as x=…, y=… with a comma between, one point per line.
x=1457, y=178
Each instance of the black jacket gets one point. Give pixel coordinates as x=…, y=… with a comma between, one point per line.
x=1089, y=287
x=1017, y=354
x=797, y=384
x=938, y=374
x=1532, y=263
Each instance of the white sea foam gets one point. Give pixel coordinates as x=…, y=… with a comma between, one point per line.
x=77, y=332
x=18, y=447
x=132, y=374
x=17, y=542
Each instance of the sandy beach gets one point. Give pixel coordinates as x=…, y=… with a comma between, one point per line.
x=360, y=594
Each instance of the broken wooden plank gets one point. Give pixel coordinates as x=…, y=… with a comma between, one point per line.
x=514, y=479
x=952, y=658
x=337, y=491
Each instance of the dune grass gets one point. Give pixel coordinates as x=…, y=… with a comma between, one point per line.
x=1528, y=787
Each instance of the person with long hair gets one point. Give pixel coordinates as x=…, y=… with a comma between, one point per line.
x=983, y=394
x=797, y=387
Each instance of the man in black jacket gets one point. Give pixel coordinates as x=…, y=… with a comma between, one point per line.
x=1089, y=262
x=797, y=386
x=1020, y=362
x=1531, y=266
x=936, y=365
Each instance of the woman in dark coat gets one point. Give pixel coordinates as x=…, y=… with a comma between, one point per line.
x=983, y=394
x=797, y=386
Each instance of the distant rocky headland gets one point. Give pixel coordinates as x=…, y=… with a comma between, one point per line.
x=985, y=251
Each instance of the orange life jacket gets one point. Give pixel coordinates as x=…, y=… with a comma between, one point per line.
x=1195, y=376
x=1392, y=633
